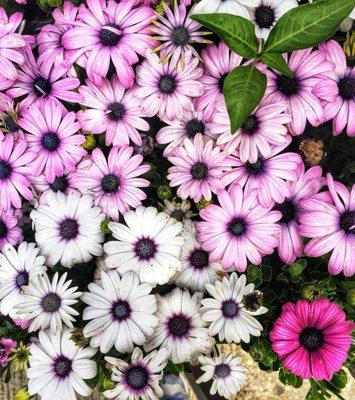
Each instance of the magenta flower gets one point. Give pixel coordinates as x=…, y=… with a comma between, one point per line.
x=198, y=168
x=53, y=138
x=10, y=232
x=114, y=182
x=312, y=339
x=8, y=118
x=336, y=89
x=112, y=110
x=6, y=347
x=238, y=230
x=297, y=91
x=110, y=31
x=329, y=219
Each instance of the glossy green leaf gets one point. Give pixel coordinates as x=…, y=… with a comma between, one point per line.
x=277, y=62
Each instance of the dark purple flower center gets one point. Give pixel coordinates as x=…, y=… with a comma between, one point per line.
x=60, y=184
x=287, y=210
x=230, y=309
x=121, y=310
x=199, y=259
x=69, y=229
x=179, y=325
x=50, y=141
x=264, y=16
x=117, y=111
x=193, y=127
x=199, y=171
x=311, y=338
x=347, y=221
x=287, y=85
x=3, y=230
x=221, y=81
x=42, y=86
x=108, y=36
x=167, y=84
x=51, y=302
x=180, y=36
x=255, y=168
x=251, y=125
x=11, y=124
x=222, y=371
x=22, y=279
x=62, y=366
x=5, y=169
x=110, y=183
x=237, y=226
x=145, y=248
x=137, y=377
x=346, y=86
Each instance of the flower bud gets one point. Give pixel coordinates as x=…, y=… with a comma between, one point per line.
x=203, y=203
x=312, y=292
x=104, y=226
x=90, y=141
x=164, y=192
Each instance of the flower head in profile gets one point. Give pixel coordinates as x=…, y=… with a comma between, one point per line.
x=178, y=209
x=6, y=347
x=10, y=232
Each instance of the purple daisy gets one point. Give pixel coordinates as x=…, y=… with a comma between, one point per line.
x=10, y=232
x=168, y=89
x=114, y=182
x=53, y=138
x=239, y=229
x=112, y=110
x=109, y=31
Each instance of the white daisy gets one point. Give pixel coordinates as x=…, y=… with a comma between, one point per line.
x=237, y=7
x=68, y=228
x=140, y=378
x=226, y=373
x=58, y=367
x=149, y=245
x=180, y=327
x=197, y=269
x=231, y=308
x=122, y=312
x=48, y=304
x=16, y=269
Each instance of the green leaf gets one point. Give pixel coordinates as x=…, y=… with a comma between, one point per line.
x=243, y=90
x=277, y=62
x=238, y=33
x=307, y=25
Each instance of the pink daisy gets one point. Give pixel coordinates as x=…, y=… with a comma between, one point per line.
x=198, y=168
x=336, y=89
x=297, y=91
x=106, y=31
x=114, y=182
x=167, y=89
x=10, y=232
x=329, y=219
x=112, y=110
x=238, y=230
x=268, y=175
x=8, y=118
x=312, y=339
x=53, y=138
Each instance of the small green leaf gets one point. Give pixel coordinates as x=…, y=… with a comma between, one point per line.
x=277, y=62
x=243, y=90
x=307, y=25
x=238, y=33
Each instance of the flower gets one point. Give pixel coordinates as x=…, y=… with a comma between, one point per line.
x=226, y=373
x=180, y=328
x=22, y=394
x=227, y=311
x=149, y=245
x=138, y=379
x=329, y=219
x=17, y=267
x=336, y=89
x=20, y=357
x=121, y=311
x=113, y=182
x=10, y=232
x=68, y=228
x=109, y=31
x=58, y=367
x=9, y=114
x=168, y=89
x=238, y=229
x=312, y=339
x=6, y=347
x=179, y=210
x=112, y=110
x=198, y=168
x=48, y=304
x=53, y=138
x=237, y=7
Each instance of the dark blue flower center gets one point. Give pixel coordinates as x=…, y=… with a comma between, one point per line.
x=5, y=169
x=110, y=183
x=237, y=226
x=22, y=279
x=222, y=371
x=3, y=230
x=311, y=338
x=255, y=168
x=117, y=111
x=137, y=377
x=230, y=309
x=167, y=84
x=347, y=221
x=51, y=302
x=145, y=248
x=11, y=124
x=199, y=171
x=69, y=229
x=179, y=325
x=60, y=184
x=251, y=125
x=50, y=141
x=107, y=36
x=42, y=86
x=264, y=16
x=121, y=310
x=287, y=210
x=287, y=85
x=62, y=367
x=199, y=259
x=193, y=127
x=180, y=36
x=346, y=86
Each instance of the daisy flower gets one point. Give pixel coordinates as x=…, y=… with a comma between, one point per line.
x=308, y=67
x=167, y=89
x=121, y=311
x=179, y=210
x=329, y=219
x=112, y=110
x=149, y=245
x=336, y=89
x=226, y=373
x=237, y=230
x=48, y=305
x=53, y=138
x=312, y=339
x=17, y=267
x=180, y=328
x=10, y=232
x=58, y=367
x=237, y=7
x=9, y=115
x=68, y=228
x=198, y=168
x=107, y=31
x=138, y=379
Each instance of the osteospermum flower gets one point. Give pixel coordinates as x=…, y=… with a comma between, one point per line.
x=237, y=7
x=53, y=138
x=180, y=328
x=107, y=31
x=329, y=219
x=138, y=379
x=113, y=111
x=149, y=245
x=68, y=228
x=9, y=114
x=167, y=89
x=121, y=311
x=179, y=210
x=312, y=339
x=59, y=368
x=10, y=232
x=238, y=229
x=198, y=168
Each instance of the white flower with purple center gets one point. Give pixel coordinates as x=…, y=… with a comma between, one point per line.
x=236, y=7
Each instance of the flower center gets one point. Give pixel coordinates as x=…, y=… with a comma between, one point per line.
x=179, y=325
x=199, y=171
x=121, y=310
x=50, y=141
x=222, y=371
x=311, y=338
x=287, y=210
x=110, y=183
x=264, y=16
x=199, y=259
x=62, y=366
x=230, y=309
x=221, y=81
x=3, y=230
x=237, y=227
x=42, y=86
x=255, y=168
x=180, y=36
x=145, y=249
x=179, y=215
x=22, y=279
x=5, y=169
x=110, y=35
x=251, y=125
x=117, y=111
x=346, y=86
x=193, y=127
x=137, y=377
x=287, y=85
x=11, y=124
x=69, y=229
x=347, y=221
x=167, y=84
x=51, y=302
x=60, y=183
